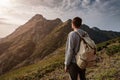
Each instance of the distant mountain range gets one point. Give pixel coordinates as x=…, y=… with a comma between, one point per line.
x=38, y=38
x=100, y=35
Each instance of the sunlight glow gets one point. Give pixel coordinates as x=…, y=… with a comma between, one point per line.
x=5, y=3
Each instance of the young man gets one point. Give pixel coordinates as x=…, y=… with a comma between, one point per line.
x=72, y=47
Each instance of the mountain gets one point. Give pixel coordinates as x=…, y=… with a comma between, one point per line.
x=21, y=44
x=38, y=39
x=52, y=67
x=95, y=28
x=100, y=35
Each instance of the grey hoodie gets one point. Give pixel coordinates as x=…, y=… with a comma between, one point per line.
x=72, y=46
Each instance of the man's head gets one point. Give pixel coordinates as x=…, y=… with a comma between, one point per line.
x=76, y=22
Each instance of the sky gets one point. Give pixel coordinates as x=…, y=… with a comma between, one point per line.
x=104, y=14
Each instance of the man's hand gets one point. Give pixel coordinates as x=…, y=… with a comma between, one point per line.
x=66, y=69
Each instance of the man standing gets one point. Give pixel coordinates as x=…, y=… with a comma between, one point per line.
x=72, y=47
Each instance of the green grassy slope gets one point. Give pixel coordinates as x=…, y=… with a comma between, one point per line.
x=38, y=70
x=52, y=66
x=21, y=44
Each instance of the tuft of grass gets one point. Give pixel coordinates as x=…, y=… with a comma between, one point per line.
x=105, y=44
x=107, y=74
x=38, y=70
x=112, y=50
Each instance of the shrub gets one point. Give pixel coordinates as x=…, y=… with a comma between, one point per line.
x=102, y=45
x=112, y=50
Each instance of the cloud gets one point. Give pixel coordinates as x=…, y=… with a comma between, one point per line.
x=2, y=19
x=104, y=14
x=65, y=6
x=59, y=8
x=6, y=29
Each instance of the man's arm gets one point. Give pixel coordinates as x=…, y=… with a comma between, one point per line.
x=69, y=49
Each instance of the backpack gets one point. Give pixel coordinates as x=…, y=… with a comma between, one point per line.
x=86, y=56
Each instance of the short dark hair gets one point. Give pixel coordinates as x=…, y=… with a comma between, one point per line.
x=77, y=21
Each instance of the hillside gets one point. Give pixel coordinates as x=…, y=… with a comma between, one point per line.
x=52, y=66
x=100, y=35
x=21, y=44
x=40, y=38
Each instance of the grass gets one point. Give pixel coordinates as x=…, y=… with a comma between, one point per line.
x=107, y=74
x=105, y=44
x=113, y=49
x=51, y=67
x=39, y=69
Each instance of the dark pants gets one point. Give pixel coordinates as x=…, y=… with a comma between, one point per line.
x=75, y=71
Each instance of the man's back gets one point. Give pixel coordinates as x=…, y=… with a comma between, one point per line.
x=74, y=41
x=72, y=47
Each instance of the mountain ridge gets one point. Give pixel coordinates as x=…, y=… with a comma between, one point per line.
x=52, y=66
x=32, y=36
x=37, y=39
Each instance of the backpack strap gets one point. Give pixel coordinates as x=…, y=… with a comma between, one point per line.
x=79, y=35
x=83, y=39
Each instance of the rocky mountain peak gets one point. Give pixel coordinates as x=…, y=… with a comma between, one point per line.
x=37, y=17
x=58, y=20
x=96, y=28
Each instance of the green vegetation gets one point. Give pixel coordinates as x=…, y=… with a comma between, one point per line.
x=35, y=71
x=108, y=74
x=112, y=50
x=51, y=67
x=102, y=45
x=105, y=44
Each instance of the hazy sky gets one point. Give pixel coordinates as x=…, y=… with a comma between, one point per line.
x=104, y=14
